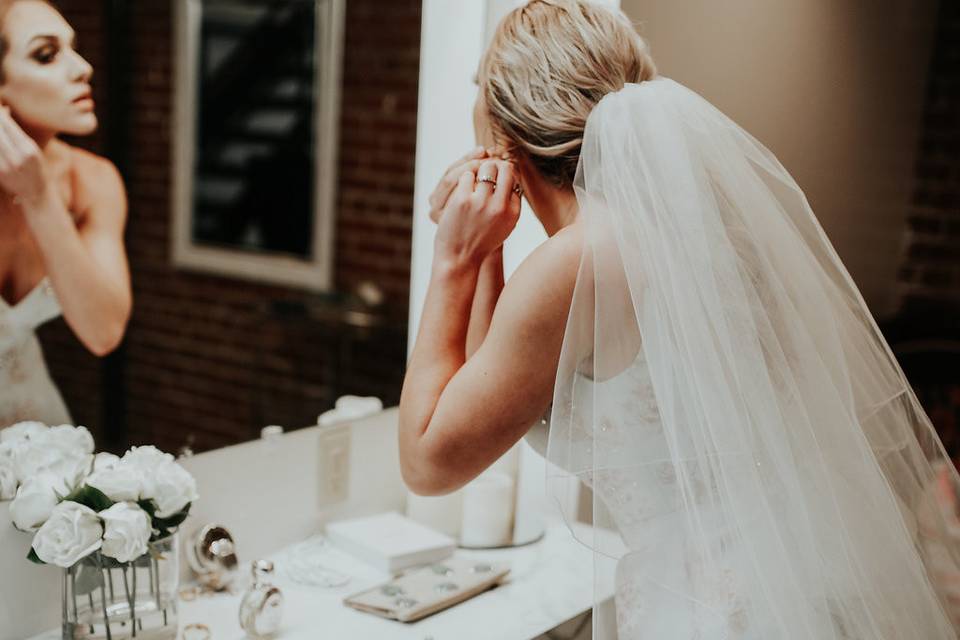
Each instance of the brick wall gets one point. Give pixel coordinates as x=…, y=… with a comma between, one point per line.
x=202, y=361
x=930, y=273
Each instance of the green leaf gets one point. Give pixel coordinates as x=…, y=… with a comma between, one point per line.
x=173, y=521
x=90, y=497
x=32, y=557
x=149, y=506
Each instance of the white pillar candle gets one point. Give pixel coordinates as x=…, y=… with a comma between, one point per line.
x=531, y=497
x=488, y=511
x=442, y=513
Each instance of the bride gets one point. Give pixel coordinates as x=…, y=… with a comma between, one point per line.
x=686, y=342
x=62, y=211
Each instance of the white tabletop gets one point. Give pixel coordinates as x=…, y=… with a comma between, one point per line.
x=550, y=582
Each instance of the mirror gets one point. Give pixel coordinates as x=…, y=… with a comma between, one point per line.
x=229, y=162
x=257, y=85
x=321, y=222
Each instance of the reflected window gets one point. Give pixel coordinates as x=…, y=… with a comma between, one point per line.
x=258, y=89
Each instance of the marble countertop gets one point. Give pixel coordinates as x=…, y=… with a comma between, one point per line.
x=550, y=582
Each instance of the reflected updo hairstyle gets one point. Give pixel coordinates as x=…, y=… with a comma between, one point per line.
x=549, y=63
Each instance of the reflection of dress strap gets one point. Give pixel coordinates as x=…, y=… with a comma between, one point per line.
x=38, y=307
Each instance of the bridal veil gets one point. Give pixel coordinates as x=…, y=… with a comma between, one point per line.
x=727, y=395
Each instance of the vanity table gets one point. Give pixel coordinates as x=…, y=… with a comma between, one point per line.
x=551, y=581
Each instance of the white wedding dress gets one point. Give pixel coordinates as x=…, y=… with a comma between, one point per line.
x=26, y=390
x=651, y=527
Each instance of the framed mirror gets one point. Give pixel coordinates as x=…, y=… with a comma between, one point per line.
x=256, y=118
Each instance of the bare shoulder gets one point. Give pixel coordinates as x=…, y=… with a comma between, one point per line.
x=94, y=170
x=99, y=188
x=556, y=260
x=541, y=288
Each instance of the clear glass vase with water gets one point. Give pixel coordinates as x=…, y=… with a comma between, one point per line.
x=104, y=599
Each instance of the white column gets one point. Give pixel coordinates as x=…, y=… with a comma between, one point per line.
x=453, y=37
x=451, y=42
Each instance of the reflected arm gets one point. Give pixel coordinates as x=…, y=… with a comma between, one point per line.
x=87, y=266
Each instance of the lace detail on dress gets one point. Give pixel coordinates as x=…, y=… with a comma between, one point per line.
x=28, y=393
x=643, y=498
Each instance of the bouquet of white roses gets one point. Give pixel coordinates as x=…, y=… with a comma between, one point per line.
x=78, y=503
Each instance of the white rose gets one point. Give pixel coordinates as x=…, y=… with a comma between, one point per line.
x=126, y=531
x=7, y=449
x=22, y=431
x=62, y=450
x=104, y=460
x=147, y=458
x=73, y=469
x=73, y=531
x=35, y=500
x=8, y=454
x=69, y=439
x=30, y=457
x=8, y=481
x=120, y=483
x=171, y=487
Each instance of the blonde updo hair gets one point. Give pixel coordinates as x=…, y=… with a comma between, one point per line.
x=548, y=65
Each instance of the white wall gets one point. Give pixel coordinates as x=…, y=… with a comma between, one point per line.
x=833, y=87
x=453, y=36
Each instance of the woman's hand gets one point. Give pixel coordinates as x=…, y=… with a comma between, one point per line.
x=470, y=162
x=23, y=173
x=480, y=214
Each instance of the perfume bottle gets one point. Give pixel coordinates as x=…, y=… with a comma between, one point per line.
x=261, y=605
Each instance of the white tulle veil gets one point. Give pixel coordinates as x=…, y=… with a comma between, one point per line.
x=726, y=393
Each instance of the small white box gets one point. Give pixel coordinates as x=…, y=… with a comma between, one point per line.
x=390, y=541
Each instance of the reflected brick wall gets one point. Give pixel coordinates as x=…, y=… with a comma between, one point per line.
x=926, y=335
x=202, y=361
x=931, y=268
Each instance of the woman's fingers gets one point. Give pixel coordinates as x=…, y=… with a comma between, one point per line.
x=11, y=129
x=469, y=162
x=452, y=174
x=486, y=179
x=9, y=151
x=15, y=145
x=464, y=187
x=449, y=181
x=22, y=171
x=506, y=181
x=24, y=143
x=474, y=154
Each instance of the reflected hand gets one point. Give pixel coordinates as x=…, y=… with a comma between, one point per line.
x=23, y=173
x=480, y=214
x=470, y=162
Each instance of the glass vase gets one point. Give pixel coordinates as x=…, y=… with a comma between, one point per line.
x=104, y=599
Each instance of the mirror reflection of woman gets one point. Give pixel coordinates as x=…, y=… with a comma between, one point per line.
x=62, y=211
